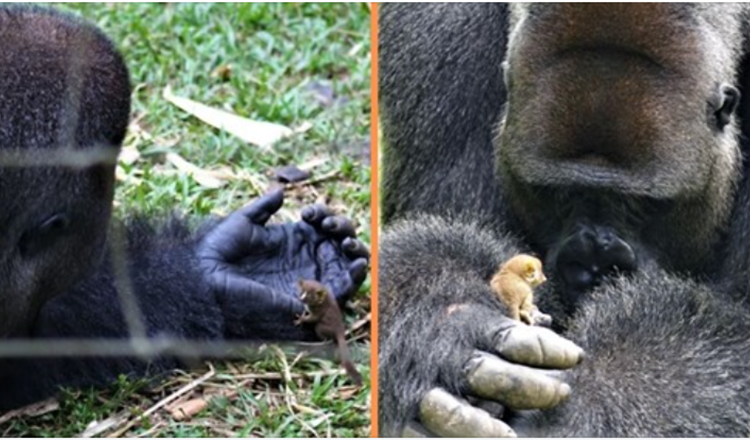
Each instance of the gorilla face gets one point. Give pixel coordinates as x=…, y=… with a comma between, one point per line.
x=52, y=232
x=64, y=96
x=624, y=123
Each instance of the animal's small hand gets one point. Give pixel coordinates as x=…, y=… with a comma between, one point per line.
x=253, y=268
x=301, y=319
x=536, y=317
x=514, y=374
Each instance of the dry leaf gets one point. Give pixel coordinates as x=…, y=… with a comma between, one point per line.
x=129, y=154
x=353, y=51
x=203, y=177
x=97, y=427
x=223, y=72
x=346, y=393
x=260, y=133
x=33, y=410
x=186, y=410
x=307, y=166
x=122, y=176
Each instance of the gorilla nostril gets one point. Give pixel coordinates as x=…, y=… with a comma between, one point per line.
x=589, y=255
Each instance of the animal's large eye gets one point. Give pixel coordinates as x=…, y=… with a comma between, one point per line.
x=43, y=235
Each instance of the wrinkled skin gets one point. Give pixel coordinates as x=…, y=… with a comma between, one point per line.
x=255, y=268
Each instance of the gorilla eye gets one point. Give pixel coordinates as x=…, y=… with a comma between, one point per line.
x=43, y=235
x=727, y=101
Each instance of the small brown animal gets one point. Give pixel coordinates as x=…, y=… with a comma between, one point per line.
x=323, y=311
x=513, y=284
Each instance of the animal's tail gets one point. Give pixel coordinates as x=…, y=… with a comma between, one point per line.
x=346, y=360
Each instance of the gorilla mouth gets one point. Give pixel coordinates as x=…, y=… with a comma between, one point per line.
x=589, y=171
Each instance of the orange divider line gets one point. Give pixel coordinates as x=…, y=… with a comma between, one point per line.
x=375, y=220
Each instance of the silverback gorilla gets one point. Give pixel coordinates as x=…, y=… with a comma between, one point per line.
x=610, y=140
x=64, y=91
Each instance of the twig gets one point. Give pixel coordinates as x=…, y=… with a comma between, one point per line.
x=33, y=410
x=312, y=182
x=164, y=402
x=359, y=324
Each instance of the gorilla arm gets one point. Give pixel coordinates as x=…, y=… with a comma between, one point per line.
x=442, y=329
x=664, y=357
x=224, y=282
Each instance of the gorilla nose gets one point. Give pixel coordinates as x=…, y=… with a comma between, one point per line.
x=590, y=254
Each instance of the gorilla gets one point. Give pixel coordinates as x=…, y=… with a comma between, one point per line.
x=608, y=139
x=64, y=109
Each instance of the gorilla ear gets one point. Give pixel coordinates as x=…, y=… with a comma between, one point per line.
x=729, y=99
x=504, y=67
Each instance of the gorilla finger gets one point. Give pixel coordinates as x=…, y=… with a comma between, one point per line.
x=537, y=347
x=338, y=227
x=262, y=209
x=341, y=286
x=358, y=271
x=315, y=214
x=515, y=386
x=415, y=429
x=448, y=416
x=335, y=270
x=354, y=248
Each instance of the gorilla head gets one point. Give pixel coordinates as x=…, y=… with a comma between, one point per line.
x=624, y=128
x=53, y=218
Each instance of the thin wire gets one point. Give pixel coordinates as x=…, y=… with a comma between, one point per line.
x=159, y=346
x=124, y=287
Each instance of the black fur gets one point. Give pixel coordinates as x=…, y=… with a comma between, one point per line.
x=161, y=263
x=666, y=347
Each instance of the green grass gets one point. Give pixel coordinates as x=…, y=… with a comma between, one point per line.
x=276, y=53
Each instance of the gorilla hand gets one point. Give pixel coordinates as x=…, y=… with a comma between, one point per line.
x=253, y=268
x=506, y=370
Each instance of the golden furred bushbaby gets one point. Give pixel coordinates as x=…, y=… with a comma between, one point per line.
x=514, y=285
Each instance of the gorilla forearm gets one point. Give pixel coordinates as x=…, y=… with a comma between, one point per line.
x=648, y=338
x=171, y=295
x=431, y=267
x=665, y=357
x=172, y=298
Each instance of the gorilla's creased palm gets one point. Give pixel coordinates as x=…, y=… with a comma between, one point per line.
x=254, y=268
